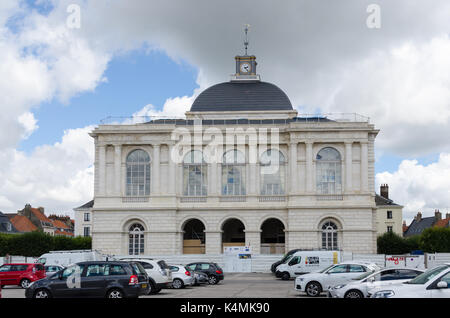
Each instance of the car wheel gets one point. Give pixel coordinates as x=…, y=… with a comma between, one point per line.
x=354, y=294
x=313, y=289
x=177, y=283
x=42, y=293
x=115, y=293
x=212, y=280
x=25, y=283
x=285, y=276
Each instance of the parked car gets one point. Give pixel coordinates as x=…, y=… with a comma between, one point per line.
x=315, y=283
x=21, y=274
x=302, y=262
x=273, y=268
x=52, y=269
x=359, y=286
x=93, y=279
x=158, y=272
x=434, y=283
x=214, y=272
x=181, y=277
x=199, y=278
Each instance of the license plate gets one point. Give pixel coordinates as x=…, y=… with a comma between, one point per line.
x=144, y=285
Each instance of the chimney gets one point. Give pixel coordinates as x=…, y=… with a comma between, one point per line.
x=447, y=216
x=41, y=209
x=384, y=191
x=437, y=215
x=418, y=217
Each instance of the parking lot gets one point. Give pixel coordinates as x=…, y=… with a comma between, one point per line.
x=235, y=285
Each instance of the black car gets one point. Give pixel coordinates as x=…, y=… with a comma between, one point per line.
x=93, y=279
x=274, y=265
x=214, y=272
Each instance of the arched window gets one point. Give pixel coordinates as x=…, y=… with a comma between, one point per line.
x=233, y=173
x=138, y=173
x=272, y=172
x=328, y=171
x=136, y=239
x=329, y=236
x=194, y=174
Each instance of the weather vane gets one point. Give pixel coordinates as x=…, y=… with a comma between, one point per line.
x=247, y=26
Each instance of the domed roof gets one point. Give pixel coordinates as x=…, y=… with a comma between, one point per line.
x=241, y=96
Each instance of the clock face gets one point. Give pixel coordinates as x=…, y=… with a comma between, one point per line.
x=245, y=67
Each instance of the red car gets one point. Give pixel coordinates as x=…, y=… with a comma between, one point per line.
x=21, y=274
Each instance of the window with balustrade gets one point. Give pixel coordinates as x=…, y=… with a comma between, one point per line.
x=272, y=172
x=233, y=173
x=328, y=171
x=195, y=174
x=138, y=173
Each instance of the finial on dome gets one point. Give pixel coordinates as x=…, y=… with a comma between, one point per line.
x=247, y=26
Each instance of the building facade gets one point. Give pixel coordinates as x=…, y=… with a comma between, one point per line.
x=389, y=213
x=243, y=168
x=83, y=219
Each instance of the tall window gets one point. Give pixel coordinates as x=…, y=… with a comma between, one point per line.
x=272, y=172
x=329, y=236
x=87, y=231
x=136, y=239
x=233, y=173
x=86, y=217
x=138, y=173
x=194, y=174
x=328, y=171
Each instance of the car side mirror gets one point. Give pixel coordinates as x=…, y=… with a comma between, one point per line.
x=442, y=285
x=371, y=279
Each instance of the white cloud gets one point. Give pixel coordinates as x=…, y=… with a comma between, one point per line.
x=58, y=176
x=320, y=53
x=419, y=187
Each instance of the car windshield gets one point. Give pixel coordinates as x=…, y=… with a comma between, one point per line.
x=287, y=258
x=425, y=277
x=163, y=265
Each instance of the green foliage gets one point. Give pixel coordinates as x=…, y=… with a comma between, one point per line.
x=432, y=240
x=391, y=243
x=435, y=240
x=34, y=244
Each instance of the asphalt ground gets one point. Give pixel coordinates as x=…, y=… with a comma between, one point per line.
x=235, y=285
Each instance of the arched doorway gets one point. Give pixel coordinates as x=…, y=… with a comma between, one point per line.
x=194, y=237
x=233, y=233
x=272, y=237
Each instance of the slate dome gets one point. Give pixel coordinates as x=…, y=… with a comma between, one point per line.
x=241, y=96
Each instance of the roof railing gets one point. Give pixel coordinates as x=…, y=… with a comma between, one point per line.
x=303, y=118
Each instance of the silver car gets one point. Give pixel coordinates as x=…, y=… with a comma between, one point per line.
x=181, y=276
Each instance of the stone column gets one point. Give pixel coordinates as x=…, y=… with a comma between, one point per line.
x=172, y=172
x=253, y=239
x=212, y=187
x=102, y=169
x=293, y=166
x=348, y=166
x=118, y=169
x=364, y=167
x=253, y=172
x=309, y=167
x=156, y=168
x=213, y=242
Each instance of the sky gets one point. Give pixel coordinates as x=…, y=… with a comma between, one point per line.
x=68, y=64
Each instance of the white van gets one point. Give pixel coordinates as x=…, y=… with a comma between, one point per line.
x=66, y=258
x=302, y=262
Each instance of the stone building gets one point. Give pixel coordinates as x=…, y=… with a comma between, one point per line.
x=389, y=213
x=242, y=168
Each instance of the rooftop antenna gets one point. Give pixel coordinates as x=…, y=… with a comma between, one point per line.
x=247, y=26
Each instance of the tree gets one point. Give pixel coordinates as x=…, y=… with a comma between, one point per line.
x=435, y=240
x=392, y=243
